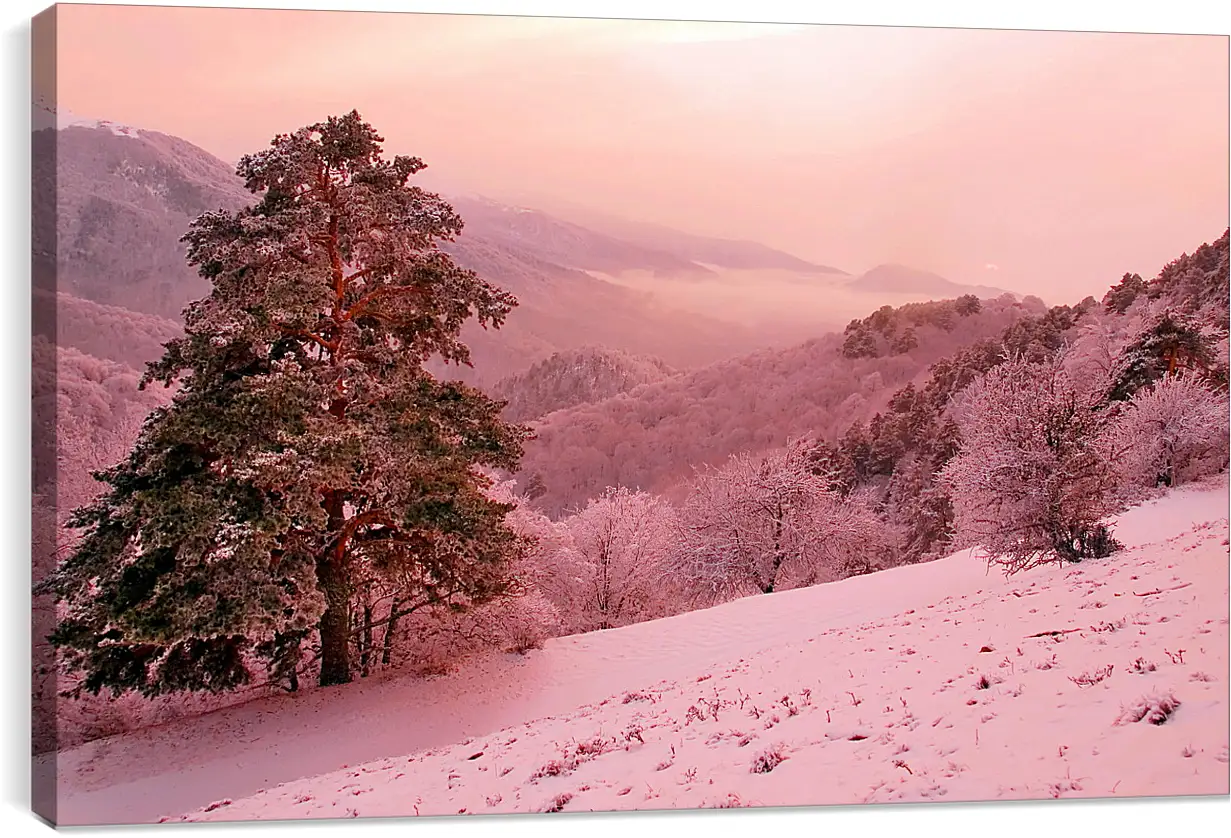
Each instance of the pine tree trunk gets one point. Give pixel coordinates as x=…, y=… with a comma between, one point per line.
x=335, y=623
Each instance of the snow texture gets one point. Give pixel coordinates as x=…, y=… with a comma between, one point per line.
x=47, y=116
x=937, y=681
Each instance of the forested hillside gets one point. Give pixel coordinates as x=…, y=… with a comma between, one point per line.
x=112, y=333
x=1140, y=332
x=578, y=377
x=121, y=204
x=653, y=438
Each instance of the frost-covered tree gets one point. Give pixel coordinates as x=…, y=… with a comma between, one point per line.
x=761, y=521
x=307, y=451
x=433, y=637
x=907, y=341
x=1171, y=432
x=1032, y=478
x=1172, y=343
x=623, y=543
x=1096, y=355
x=967, y=304
x=860, y=342
x=1124, y=294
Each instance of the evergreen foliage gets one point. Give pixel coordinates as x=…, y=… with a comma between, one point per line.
x=1172, y=344
x=307, y=452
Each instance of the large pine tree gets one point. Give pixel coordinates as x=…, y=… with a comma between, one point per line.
x=306, y=448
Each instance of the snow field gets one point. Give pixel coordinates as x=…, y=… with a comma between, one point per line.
x=932, y=682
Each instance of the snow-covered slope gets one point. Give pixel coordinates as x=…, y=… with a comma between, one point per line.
x=930, y=682
x=51, y=116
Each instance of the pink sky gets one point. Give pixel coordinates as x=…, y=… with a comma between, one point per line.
x=1063, y=159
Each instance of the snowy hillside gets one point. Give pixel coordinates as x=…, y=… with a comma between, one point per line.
x=928, y=682
x=50, y=116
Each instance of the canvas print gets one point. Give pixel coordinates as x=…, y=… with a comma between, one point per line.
x=452, y=415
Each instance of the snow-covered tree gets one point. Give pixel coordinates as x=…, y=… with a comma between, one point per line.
x=433, y=636
x=307, y=452
x=1121, y=296
x=1171, y=432
x=760, y=522
x=622, y=547
x=1032, y=478
x=1171, y=343
x=1097, y=356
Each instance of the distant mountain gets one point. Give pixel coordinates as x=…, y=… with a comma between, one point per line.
x=563, y=242
x=723, y=253
x=110, y=205
x=899, y=279
x=576, y=377
x=112, y=201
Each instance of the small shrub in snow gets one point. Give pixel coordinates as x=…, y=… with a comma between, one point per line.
x=557, y=803
x=1058, y=788
x=768, y=760
x=986, y=682
x=1089, y=679
x=1046, y=663
x=636, y=695
x=525, y=640
x=1201, y=676
x=551, y=768
x=1141, y=666
x=634, y=731
x=1154, y=708
x=731, y=801
x=590, y=748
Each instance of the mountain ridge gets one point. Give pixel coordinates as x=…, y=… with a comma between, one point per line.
x=893, y=278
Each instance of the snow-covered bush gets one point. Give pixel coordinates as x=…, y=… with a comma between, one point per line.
x=1170, y=433
x=1154, y=708
x=617, y=571
x=768, y=759
x=761, y=523
x=1032, y=478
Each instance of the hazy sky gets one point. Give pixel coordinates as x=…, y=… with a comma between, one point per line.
x=1044, y=162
